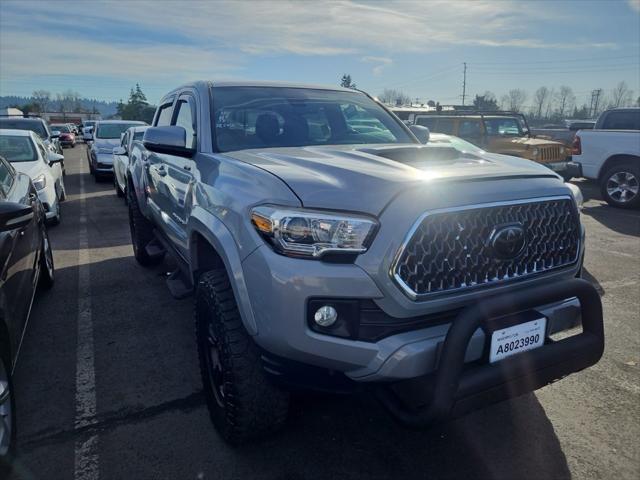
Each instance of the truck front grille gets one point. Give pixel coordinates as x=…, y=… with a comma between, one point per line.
x=482, y=245
x=551, y=154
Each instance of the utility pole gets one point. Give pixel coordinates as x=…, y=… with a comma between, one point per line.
x=464, y=83
x=595, y=98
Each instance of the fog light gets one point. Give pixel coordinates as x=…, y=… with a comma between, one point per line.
x=325, y=316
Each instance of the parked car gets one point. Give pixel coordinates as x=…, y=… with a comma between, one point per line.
x=329, y=249
x=610, y=154
x=66, y=136
x=501, y=132
x=28, y=154
x=106, y=137
x=26, y=261
x=563, y=133
x=87, y=130
x=36, y=125
x=121, y=158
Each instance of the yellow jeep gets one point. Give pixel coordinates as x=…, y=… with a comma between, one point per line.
x=503, y=133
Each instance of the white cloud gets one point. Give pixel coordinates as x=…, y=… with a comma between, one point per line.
x=634, y=4
x=380, y=63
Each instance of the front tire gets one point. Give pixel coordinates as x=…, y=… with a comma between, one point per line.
x=141, y=234
x=243, y=403
x=47, y=269
x=620, y=186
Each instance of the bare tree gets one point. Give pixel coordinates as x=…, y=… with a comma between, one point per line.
x=621, y=96
x=42, y=99
x=516, y=99
x=68, y=101
x=565, y=100
x=392, y=96
x=540, y=98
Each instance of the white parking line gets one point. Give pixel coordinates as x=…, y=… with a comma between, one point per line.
x=86, y=451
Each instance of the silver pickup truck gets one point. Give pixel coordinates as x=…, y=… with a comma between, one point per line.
x=332, y=247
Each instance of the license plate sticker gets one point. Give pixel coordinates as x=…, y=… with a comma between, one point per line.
x=517, y=339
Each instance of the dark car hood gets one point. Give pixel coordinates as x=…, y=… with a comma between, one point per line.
x=366, y=177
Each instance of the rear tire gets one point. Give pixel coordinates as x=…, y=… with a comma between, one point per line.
x=47, y=269
x=243, y=404
x=620, y=186
x=141, y=234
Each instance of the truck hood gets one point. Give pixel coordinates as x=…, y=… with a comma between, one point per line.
x=365, y=178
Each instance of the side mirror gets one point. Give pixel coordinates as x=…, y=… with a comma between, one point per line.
x=171, y=139
x=420, y=132
x=119, y=151
x=55, y=134
x=14, y=216
x=53, y=158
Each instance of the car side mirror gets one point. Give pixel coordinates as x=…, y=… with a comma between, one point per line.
x=54, y=158
x=420, y=132
x=119, y=151
x=14, y=216
x=55, y=134
x=170, y=139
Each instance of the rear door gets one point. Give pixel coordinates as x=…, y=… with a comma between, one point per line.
x=177, y=178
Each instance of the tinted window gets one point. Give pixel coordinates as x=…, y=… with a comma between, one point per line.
x=258, y=117
x=402, y=115
x=111, y=130
x=35, y=126
x=185, y=120
x=469, y=129
x=429, y=122
x=61, y=128
x=6, y=178
x=622, y=121
x=164, y=116
x=445, y=125
x=17, y=149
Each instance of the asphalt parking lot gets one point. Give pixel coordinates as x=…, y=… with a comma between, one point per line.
x=107, y=384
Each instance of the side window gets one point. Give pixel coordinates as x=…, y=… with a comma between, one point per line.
x=429, y=122
x=6, y=179
x=469, y=129
x=185, y=120
x=163, y=118
x=622, y=121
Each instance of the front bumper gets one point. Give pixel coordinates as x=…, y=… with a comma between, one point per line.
x=103, y=164
x=456, y=388
x=280, y=289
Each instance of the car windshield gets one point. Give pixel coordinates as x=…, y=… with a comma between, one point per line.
x=259, y=117
x=17, y=148
x=61, y=128
x=111, y=130
x=503, y=126
x=89, y=123
x=35, y=126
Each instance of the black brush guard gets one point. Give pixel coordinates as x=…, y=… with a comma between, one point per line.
x=455, y=389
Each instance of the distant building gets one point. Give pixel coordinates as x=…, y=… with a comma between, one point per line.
x=69, y=117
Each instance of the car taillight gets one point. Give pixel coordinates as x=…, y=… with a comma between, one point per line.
x=576, y=148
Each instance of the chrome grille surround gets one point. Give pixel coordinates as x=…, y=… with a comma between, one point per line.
x=548, y=246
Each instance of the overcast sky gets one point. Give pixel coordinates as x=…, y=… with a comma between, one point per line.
x=101, y=49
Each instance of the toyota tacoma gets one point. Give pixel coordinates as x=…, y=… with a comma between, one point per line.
x=331, y=247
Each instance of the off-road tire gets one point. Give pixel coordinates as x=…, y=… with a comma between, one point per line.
x=251, y=406
x=623, y=167
x=141, y=234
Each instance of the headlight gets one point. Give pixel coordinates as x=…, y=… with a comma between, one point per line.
x=40, y=182
x=105, y=150
x=308, y=233
x=577, y=194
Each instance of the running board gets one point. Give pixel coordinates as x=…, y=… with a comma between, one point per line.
x=178, y=285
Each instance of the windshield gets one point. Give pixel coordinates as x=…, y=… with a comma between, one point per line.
x=35, y=126
x=112, y=130
x=61, y=128
x=17, y=148
x=258, y=117
x=503, y=126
